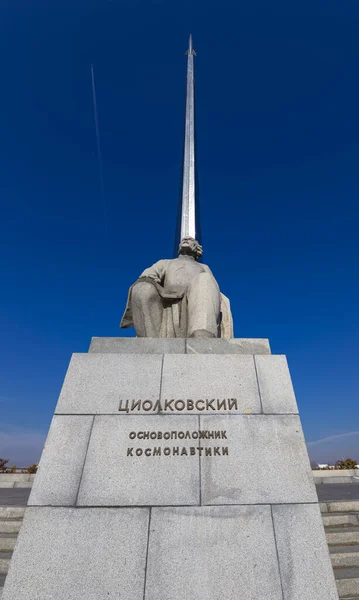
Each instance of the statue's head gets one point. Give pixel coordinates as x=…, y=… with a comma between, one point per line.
x=190, y=247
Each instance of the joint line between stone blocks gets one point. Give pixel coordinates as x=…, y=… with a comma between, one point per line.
x=200, y=464
x=160, y=392
x=147, y=548
x=277, y=553
x=259, y=390
x=83, y=465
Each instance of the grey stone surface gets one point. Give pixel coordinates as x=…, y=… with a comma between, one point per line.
x=200, y=376
x=267, y=461
x=178, y=298
x=12, y=477
x=333, y=473
x=212, y=553
x=12, y=512
x=343, y=506
x=10, y=526
x=231, y=346
x=122, y=345
x=58, y=478
x=95, y=383
x=324, y=480
x=275, y=385
x=303, y=553
x=64, y=553
x=111, y=477
x=23, y=484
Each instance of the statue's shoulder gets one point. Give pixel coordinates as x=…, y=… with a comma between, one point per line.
x=164, y=262
x=206, y=268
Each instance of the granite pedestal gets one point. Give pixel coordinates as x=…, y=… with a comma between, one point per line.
x=174, y=470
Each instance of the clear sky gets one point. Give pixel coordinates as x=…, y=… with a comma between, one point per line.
x=278, y=148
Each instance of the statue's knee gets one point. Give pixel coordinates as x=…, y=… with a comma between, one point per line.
x=144, y=293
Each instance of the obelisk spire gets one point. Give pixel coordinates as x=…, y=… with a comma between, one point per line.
x=188, y=208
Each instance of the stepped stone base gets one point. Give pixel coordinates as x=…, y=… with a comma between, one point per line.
x=175, y=472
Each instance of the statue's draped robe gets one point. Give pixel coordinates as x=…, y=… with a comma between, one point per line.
x=175, y=318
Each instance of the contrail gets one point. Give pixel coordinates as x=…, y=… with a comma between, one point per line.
x=330, y=438
x=102, y=186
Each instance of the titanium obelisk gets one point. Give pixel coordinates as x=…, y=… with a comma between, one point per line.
x=188, y=217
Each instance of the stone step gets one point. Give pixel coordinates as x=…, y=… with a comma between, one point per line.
x=346, y=573
x=12, y=512
x=339, y=529
x=343, y=549
x=342, y=538
x=7, y=544
x=340, y=507
x=4, y=565
x=347, y=588
x=345, y=559
x=340, y=520
x=10, y=526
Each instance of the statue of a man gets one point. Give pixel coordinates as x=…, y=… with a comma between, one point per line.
x=178, y=298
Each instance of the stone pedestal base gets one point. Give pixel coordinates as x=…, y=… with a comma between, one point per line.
x=174, y=469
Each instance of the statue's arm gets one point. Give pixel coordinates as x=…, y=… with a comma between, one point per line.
x=157, y=271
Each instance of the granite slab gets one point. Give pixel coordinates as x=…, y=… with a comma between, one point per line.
x=97, y=383
x=231, y=346
x=266, y=461
x=123, y=345
x=202, y=377
x=58, y=478
x=127, y=463
x=303, y=553
x=275, y=385
x=66, y=553
x=211, y=553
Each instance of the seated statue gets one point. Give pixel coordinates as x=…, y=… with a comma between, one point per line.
x=178, y=298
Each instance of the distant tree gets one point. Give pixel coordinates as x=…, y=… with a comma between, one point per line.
x=3, y=463
x=12, y=469
x=346, y=463
x=314, y=465
x=32, y=469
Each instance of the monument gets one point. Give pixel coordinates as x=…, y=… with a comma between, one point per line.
x=175, y=467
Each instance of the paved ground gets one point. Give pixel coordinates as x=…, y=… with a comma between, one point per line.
x=14, y=496
x=326, y=492
x=338, y=491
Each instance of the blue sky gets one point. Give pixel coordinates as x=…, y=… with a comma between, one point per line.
x=278, y=149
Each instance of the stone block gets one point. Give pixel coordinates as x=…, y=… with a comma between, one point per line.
x=267, y=461
x=323, y=507
x=122, y=345
x=333, y=473
x=200, y=377
x=23, y=484
x=112, y=477
x=12, y=477
x=231, y=346
x=58, y=478
x=9, y=526
x=97, y=554
x=211, y=553
x=303, y=553
x=12, y=512
x=95, y=383
x=275, y=385
x=325, y=480
x=343, y=506
x=6, y=484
